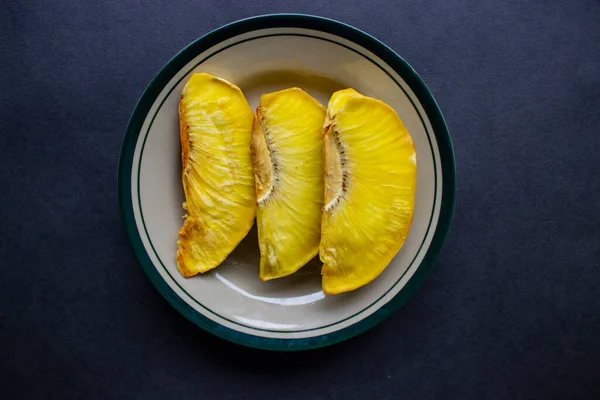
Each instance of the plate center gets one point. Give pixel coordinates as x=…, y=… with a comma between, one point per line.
x=239, y=272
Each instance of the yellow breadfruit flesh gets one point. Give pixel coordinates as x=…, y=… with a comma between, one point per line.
x=370, y=183
x=287, y=148
x=216, y=129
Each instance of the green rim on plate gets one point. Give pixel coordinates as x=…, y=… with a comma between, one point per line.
x=344, y=31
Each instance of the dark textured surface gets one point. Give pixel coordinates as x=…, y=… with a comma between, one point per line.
x=510, y=312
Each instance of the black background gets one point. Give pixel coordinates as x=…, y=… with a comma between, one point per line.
x=511, y=310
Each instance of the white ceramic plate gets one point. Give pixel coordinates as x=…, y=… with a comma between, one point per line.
x=261, y=55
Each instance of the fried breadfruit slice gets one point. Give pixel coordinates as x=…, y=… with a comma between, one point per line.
x=370, y=183
x=216, y=128
x=287, y=147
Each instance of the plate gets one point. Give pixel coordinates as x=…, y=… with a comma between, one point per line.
x=260, y=55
